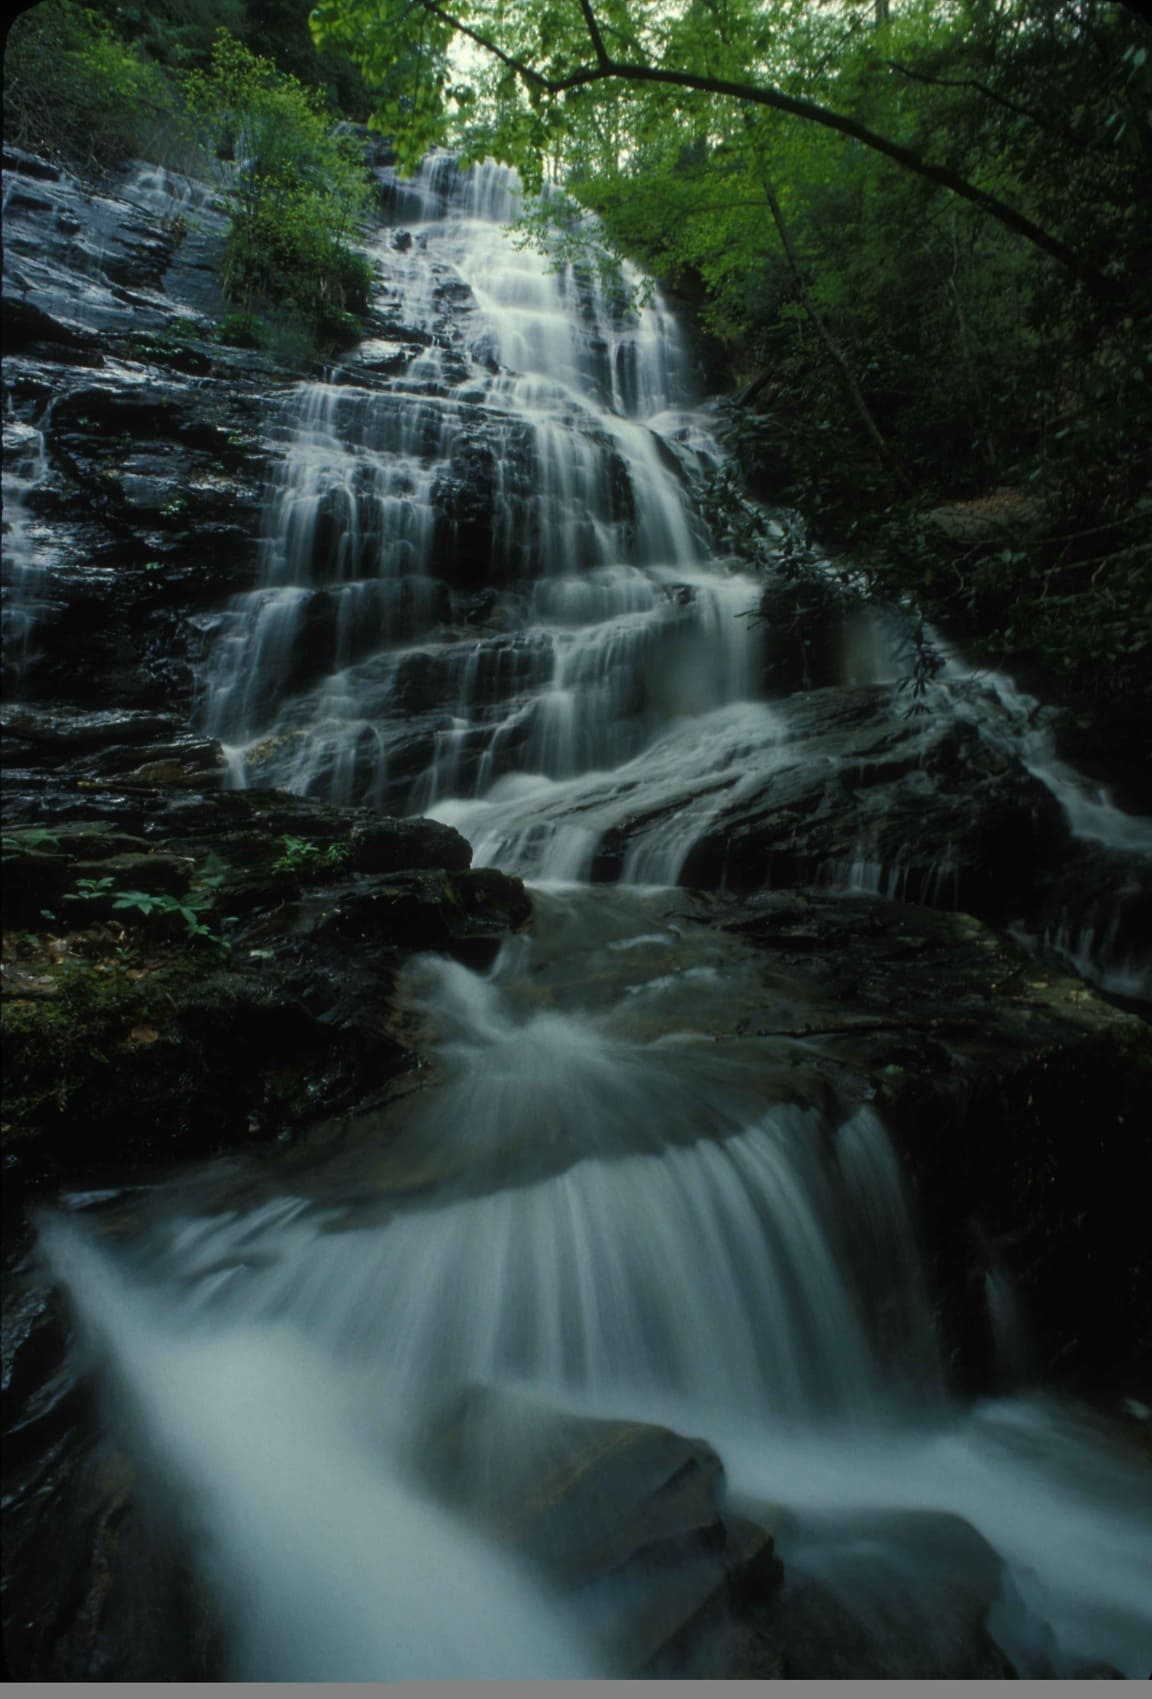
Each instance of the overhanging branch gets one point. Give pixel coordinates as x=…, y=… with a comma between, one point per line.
x=607, y=69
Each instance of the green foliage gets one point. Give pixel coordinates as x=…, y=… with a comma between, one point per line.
x=984, y=367
x=75, y=90
x=177, y=34
x=295, y=189
x=33, y=838
x=54, y=1045
x=189, y=908
x=299, y=855
x=279, y=29
x=242, y=330
x=88, y=890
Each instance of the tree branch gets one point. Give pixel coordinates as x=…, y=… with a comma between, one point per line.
x=1093, y=280
x=827, y=341
x=609, y=69
x=1002, y=100
x=529, y=74
x=598, y=46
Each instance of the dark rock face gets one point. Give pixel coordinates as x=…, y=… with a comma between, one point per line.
x=1018, y=1100
x=930, y=815
x=134, y=1042
x=627, y=1517
x=126, y=1604
x=838, y=1619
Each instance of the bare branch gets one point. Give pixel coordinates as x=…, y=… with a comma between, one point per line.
x=526, y=71
x=598, y=46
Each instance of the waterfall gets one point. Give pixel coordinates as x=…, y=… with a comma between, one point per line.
x=486, y=594
x=326, y=1565
x=489, y=566
x=27, y=557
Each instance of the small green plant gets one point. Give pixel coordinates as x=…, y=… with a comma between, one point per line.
x=299, y=855
x=88, y=889
x=241, y=330
x=16, y=843
x=190, y=908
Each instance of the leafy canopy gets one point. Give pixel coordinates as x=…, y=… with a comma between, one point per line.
x=700, y=131
x=296, y=187
x=541, y=75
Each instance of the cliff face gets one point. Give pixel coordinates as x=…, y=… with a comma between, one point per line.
x=138, y=455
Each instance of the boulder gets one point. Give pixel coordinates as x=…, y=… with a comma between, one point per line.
x=921, y=811
x=131, y=1040
x=888, y=1597
x=626, y=1517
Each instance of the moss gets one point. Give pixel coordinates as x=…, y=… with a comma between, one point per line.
x=77, y=1018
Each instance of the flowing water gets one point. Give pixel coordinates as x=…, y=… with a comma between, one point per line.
x=608, y=1196
x=27, y=553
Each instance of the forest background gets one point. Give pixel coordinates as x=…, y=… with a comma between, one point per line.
x=914, y=239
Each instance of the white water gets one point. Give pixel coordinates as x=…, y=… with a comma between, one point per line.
x=563, y=419
x=604, y=1203
x=27, y=548
x=325, y=1565
x=487, y=596
x=602, y=1196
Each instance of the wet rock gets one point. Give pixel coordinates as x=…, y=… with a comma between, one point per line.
x=1017, y=1099
x=626, y=1517
x=385, y=846
x=888, y=1598
x=127, y=1603
x=73, y=1535
x=1095, y=914
x=926, y=813
x=149, y=482
x=26, y=325
x=61, y=733
x=18, y=159
x=154, y=1044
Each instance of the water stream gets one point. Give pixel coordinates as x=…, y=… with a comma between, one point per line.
x=487, y=595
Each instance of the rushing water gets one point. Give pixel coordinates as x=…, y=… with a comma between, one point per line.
x=26, y=555
x=608, y=1202
x=606, y=1198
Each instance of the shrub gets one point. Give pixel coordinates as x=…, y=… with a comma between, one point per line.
x=295, y=190
x=75, y=91
x=241, y=330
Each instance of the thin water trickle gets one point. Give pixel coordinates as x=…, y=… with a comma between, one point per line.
x=27, y=553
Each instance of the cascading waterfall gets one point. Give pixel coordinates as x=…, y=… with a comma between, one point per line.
x=526, y=474
x=611, y=1198
x=317, y=1548
x=486, y=593
x=26, y=557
